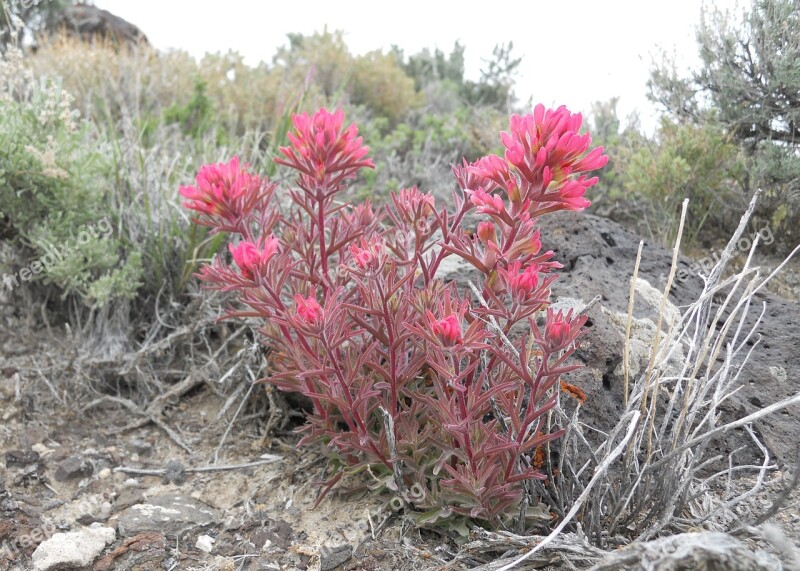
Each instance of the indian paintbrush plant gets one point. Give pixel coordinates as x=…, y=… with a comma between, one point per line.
x=419, y=383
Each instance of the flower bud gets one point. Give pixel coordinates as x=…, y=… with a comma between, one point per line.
x=524, y=283
x=487, y=232
x=250, y=258
x=307, y=308
x=449, y=330
x=558, y=330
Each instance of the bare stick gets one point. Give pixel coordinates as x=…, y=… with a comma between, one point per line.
x=230, y=424
x=766, y=411
x=397, y=463
x=199, y=469
x=626, y=362
x=599, y=471
x=662, y=309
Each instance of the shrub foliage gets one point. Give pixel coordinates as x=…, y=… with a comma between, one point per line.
x=411, y=379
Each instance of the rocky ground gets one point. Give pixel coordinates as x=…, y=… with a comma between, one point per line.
x=75, y=490
x=250, y=510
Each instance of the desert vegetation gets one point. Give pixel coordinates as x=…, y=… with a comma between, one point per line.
x=340, y=256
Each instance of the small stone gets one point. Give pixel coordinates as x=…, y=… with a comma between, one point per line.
x=74, y=549
x=205, y=543
x=41, y=449
x=87, y=519
x=21, y=458
x=104, y=474
x=72, y=468
x=126, y=498
x=171, y=514
x=331, y=557
x=141, y=447
x=174, y=473
x=131, y=483
x=105, y=510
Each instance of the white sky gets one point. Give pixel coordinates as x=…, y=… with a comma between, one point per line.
x=574, y=52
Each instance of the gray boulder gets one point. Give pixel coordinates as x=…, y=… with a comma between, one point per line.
x=598, y=257
x=90, y=24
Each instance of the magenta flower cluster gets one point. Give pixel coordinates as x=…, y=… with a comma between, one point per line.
x=425, y=385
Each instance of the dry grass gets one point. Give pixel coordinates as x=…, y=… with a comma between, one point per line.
x=109, y=83
x=655, y=474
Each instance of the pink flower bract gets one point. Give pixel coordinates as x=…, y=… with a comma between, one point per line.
x=487, y=232
x=323, y=149
x=449, y=330
x=548, y=157
x=251, y=258
x=487, y=203
x=222, y=189
x=522, y=282
x=365, y=253
x=307, y=308
x=561, y=330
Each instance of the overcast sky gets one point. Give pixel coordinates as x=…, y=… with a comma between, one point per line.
x=574, y=52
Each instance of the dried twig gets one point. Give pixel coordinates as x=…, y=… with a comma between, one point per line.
x=236, y=414
x=270, y=459
x=626, y=359
x=633, y=419
x=152, y=412
x=693, y=370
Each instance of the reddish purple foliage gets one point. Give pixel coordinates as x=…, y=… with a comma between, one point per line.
x=409, y=376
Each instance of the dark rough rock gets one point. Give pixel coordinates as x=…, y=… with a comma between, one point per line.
x=704, y=550
x=127, y=497
x=174, y=473
x=90, y=23
x=72, y=468
x=331, y=557
x=278, y=532
x=171, y=514
x=21, y=458
x=598, y=257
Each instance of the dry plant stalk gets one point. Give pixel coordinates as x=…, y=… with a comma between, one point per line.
x=656, y=485
x=626, y=358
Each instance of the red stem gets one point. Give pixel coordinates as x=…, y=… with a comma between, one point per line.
x=323, y=254
x=346, y=390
